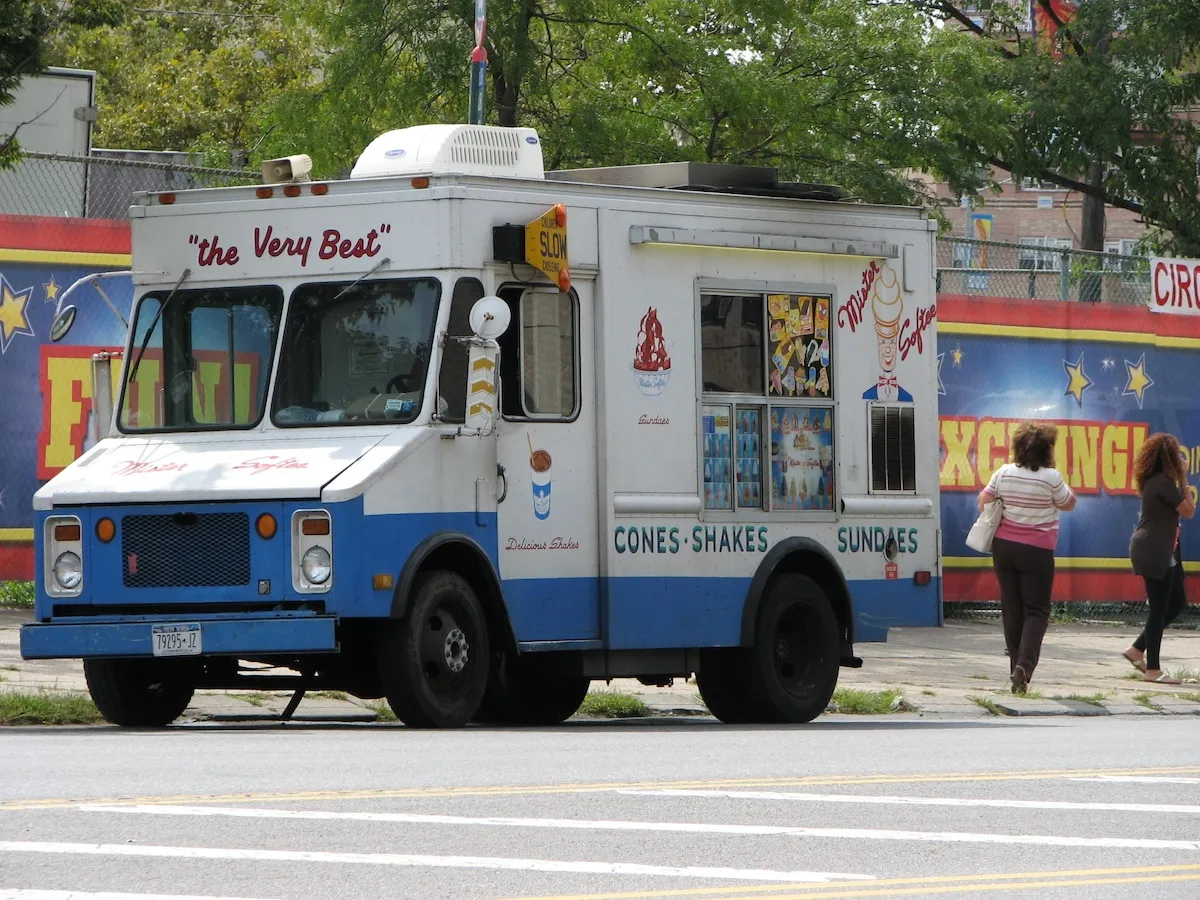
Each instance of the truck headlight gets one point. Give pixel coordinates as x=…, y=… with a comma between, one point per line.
x=68, y=570
x=317, y=565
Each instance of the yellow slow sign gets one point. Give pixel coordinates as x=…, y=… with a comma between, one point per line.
x=546, y=246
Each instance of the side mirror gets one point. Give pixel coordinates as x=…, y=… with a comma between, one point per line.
x=62, y=323
x=489, y=319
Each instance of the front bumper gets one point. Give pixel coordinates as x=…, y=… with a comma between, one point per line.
x=222, y=636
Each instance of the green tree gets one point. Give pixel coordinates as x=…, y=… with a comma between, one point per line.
x=197, y=77
x=850, y=91
x=1105, y=107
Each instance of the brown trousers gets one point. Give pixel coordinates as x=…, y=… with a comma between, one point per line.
x=1026, y=576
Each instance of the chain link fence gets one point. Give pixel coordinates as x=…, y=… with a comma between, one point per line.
x=1075, y=612
x=1039, y=271
x=100, y=186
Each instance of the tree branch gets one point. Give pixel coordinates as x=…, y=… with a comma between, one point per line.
x=953, y=12
x=1081, y=187
x=1061, y=26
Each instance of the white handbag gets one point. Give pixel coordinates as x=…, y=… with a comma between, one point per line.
x=981, y=533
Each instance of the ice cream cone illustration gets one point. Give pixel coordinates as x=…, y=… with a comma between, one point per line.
x=887, y=306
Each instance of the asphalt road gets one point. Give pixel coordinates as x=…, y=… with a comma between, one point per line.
x=1071, y=808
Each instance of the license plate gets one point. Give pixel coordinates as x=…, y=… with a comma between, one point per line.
x=176, y=640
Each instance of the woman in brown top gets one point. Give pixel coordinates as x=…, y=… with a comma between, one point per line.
x=1160, y=473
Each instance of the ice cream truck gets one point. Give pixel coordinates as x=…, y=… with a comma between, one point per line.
x=396, y=435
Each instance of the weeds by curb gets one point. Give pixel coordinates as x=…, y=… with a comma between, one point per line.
x=16, y=595
x=383, y=712
x=47, y=708
x=987, y=704
x=855, y=702
x=613, y=705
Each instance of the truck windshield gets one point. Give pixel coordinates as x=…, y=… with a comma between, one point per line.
x=207, y=361
x=356, y=354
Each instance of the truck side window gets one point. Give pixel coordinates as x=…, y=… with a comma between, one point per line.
x=539, y=357
x=893, y=448
x=452, y=379
x=767, y=423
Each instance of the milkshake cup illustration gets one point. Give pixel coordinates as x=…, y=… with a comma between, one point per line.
x=539, y=462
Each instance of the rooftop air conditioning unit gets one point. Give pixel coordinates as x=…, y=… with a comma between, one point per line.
x=453, y=149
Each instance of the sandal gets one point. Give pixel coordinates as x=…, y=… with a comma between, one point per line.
x=1164, y=678
x=1139, y=664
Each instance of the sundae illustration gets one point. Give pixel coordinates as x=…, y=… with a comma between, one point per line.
x=887, y=307
x=651, y=362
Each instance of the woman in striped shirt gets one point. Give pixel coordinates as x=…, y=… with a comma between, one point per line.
x=1032, y=493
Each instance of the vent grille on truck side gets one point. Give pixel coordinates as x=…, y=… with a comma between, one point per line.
x=485, y=147
x=186, y=550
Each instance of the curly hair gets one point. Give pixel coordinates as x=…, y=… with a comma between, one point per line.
x=1033, y=446
x=1160, y=453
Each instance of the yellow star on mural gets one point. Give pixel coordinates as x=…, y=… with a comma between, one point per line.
x=51, y=290
x=13, y=319
x=1078, y=382
x=957, y=355
x=1138, y=380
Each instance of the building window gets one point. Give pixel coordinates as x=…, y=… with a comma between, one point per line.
x=893, y=449
x=1031, y=257
x=767, y=440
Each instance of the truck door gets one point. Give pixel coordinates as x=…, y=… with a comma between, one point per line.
x=547, y=523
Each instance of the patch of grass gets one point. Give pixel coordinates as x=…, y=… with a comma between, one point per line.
x=331, y=695
x=1195, y=698
x=613, y=705
x=981, y=677
x=16, y=594
x=11, y=668
x=855, y=702
x=382, y=711
x=1146, y=701
x=258, y=698
x=1063, y=614
x=1029, y=694
x=1135, y=675
x=986, y=704
x=1186, y=674
x=1093, y=699
x=47, y=708
x=928, y=693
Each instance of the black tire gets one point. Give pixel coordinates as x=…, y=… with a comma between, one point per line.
x=797, y=649
x=518, y=693
x=433, y=662
x=729, y=689
x=139, y=692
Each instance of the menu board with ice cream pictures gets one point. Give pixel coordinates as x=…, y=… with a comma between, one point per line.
x=718, y=452
x=802, y=458
x=800, y=364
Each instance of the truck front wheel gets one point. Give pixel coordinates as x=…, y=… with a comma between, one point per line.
x=139, y=692
x=433, y=662
x=521, y=692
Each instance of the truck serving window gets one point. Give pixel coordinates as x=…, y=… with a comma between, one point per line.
x=207, y=359
x=356, y=353
x=767, y=436
x=539, y=371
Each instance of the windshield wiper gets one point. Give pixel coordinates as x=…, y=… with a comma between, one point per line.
x=375, y=268
x=150, y=331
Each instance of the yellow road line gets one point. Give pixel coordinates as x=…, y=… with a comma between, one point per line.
x=589, y=788
x=902, y=886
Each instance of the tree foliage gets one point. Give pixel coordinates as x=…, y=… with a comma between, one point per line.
x=197, y=77
x=845, y=91
x=1103, y=107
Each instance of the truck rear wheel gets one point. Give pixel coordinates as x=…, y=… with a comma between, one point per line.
x=797, y=649
x=725, y=686
x=139, y=692
x=518, y=693
x=433, y=662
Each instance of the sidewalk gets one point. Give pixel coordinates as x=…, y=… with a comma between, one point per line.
x=940, y=672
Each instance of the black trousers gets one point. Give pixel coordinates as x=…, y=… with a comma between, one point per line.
x=1167, y=600
x=1026, y=576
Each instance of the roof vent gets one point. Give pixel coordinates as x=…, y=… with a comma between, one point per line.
x=453, y=149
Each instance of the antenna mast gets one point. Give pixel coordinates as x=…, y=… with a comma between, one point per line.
x=478, y=65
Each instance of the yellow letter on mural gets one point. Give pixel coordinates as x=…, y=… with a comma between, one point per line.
x=958, y=435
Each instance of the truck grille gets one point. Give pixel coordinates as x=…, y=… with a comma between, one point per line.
x=186, y=550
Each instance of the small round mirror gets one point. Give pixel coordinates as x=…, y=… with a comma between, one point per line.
x=62, y=323
x=489, y=318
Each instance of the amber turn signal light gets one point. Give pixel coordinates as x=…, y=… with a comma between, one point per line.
x=382, y=582
x=314, y=526
x=65, y=533
x=420, y=182
x=106, y=530
x=266, y=526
